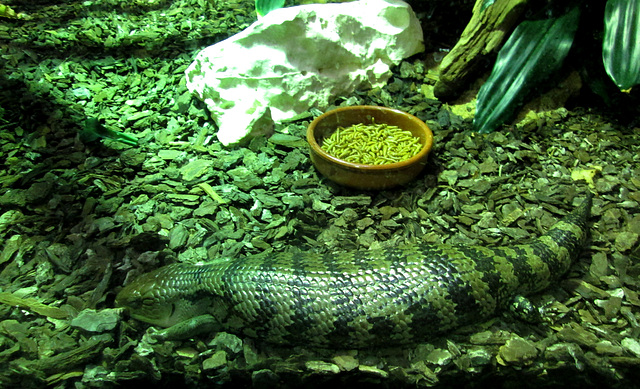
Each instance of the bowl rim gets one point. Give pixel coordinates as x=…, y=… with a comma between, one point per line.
x=424, y=151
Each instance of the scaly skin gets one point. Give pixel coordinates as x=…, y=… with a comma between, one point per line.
x=357, y=299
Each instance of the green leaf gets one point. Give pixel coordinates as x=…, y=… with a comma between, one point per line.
x=263, y=7
x=533, y=52
x=621, y=42
x=486, y=4
x=93, y=130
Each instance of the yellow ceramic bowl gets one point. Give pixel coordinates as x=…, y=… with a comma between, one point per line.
x=361, y=176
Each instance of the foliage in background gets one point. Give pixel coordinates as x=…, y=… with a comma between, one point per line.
x=534, y=51
x=9, y=13
x=621, y=42
x=537, y=49
x=263, y=7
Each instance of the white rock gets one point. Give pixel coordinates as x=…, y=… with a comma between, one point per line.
x=300, y=57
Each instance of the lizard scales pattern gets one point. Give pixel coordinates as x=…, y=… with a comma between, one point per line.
x=357, y=299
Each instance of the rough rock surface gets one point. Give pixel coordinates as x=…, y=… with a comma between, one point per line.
x=286, y=68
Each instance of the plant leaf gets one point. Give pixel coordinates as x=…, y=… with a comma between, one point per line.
x=263, y=7
x=534, y=51
x=486, y=4
x=621, y=42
